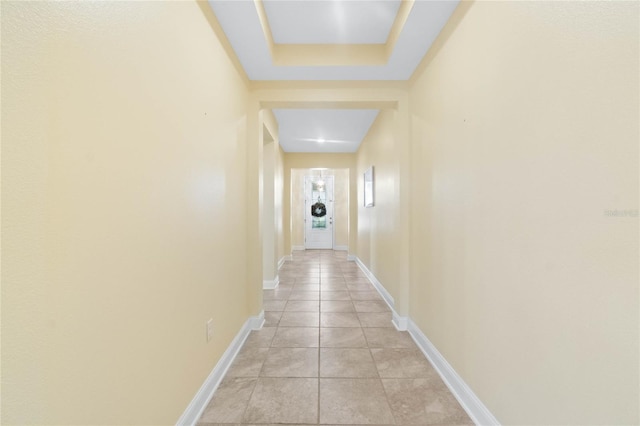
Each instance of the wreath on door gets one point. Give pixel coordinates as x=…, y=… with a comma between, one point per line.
x=318, y=210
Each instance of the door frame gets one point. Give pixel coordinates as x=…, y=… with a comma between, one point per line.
x=333, y=208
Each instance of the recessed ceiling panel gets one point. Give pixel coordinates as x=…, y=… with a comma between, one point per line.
x=323, y=130
x=241, y=24
x=331, y=21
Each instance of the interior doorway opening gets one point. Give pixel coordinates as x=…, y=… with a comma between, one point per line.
x=319, y=206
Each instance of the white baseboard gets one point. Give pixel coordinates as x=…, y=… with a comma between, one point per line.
x=400, y=323
x=297, y=248
x=257, y=322
x=351, y=258
x=282, y=260
x=383, y=291
x=341, y=248
x=271, y=284
x=478, y=412
x=204, y=394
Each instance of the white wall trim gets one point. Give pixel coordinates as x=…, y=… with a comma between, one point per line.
x=271, y=284
x=351, y=258
x=282, y=260
x=204, y=394
x=478, y=412
x=400, y=323
x=257, y=322
x=297, y=248
x=377, y=284
x=341, y=248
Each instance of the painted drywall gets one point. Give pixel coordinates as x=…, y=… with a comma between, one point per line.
x=279, y=204
x=341, y=207
x=272, y=184
x=269, y=261
x=525, y=147
x=270, y=150
x=123, y=209
x=379, y=226
x=291, y=197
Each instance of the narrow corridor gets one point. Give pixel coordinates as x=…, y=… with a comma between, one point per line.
x=329, y=354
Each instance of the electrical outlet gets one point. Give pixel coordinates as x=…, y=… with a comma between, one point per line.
x=209, y=329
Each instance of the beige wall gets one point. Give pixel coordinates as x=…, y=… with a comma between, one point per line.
x=124, y=220
x=525, y=131
x=123, y=210
x=290, y=198
x=379, y=226
x=279, y=204
x=340, y=205
x=272, y=198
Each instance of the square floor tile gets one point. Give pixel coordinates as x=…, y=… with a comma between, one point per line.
x=334, y=287
x=277, y=294
x=339, y=319
x=302, y=306
x=260, y=338
x=272, y=318
x=403, y=363
x=332, y=273
x=300, y=319
x=388, y=338
x=283, y=401
x=299, y=294
x=336, y=278
x=375, y=319
x=365, y=295
x=370, y=306
x=342, y=362
x=248, y=362
x=274, y=305
x=308, y=280
x=307, y=287
x=353, y=401
x=296, y=337
x=342, y=338
x=356, y=279
x=229, y=402
x=360, y=287
x=335, y=295
x=336, y=306
x=291, y=362
x=417, y=401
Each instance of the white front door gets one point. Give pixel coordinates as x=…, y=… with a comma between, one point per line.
x=318, y=203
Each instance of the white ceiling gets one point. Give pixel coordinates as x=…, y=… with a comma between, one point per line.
x=331, y=22
x=342, y=130
x=306, y=22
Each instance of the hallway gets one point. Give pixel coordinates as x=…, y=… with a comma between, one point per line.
x=328, y=354
x=484, y=159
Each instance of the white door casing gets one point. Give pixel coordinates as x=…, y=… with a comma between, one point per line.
x=318, y=230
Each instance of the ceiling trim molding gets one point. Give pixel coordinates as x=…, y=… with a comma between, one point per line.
x=328, y=84
x=454, y=20
x=224, y=41
x=401, y=18
x=333, y=54
x=328, y=104
x=329, y=98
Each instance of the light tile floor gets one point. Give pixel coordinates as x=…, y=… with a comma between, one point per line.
x=328, y=354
